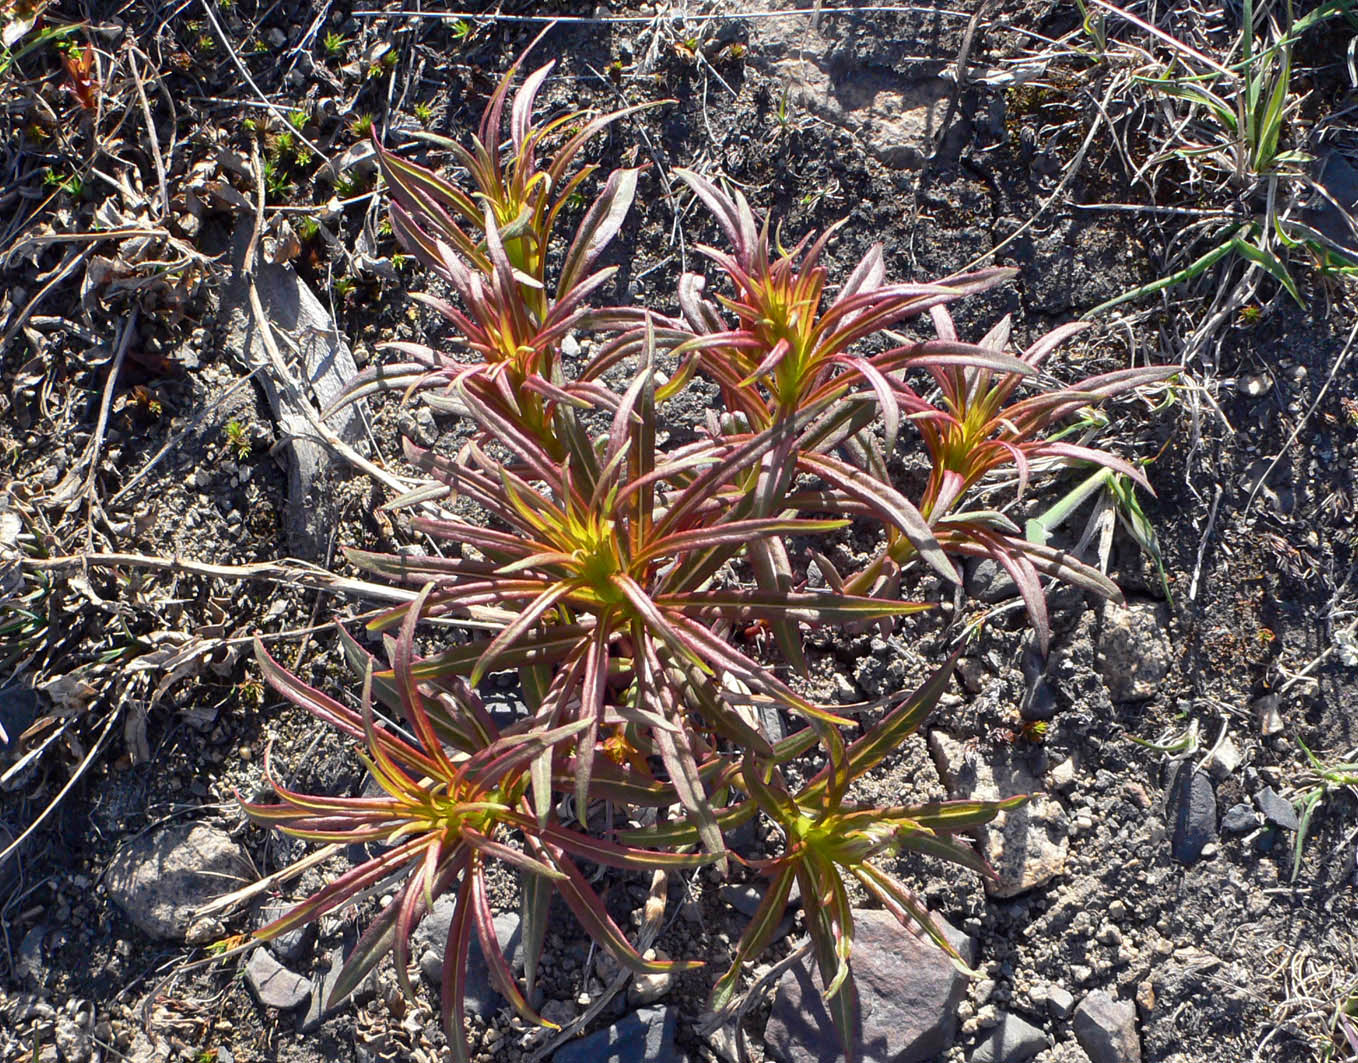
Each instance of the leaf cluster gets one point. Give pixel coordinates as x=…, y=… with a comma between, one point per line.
x=612, y=573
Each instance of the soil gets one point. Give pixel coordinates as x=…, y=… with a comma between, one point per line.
x=1229, y=957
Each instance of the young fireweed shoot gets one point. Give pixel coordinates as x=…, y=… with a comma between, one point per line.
x=829, y=840
x=490, y=238
x=444, y=814
x=979, y=425
x=602, y=565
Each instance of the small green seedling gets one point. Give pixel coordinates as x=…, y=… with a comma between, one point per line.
x=1323, y=780
x=238, y=439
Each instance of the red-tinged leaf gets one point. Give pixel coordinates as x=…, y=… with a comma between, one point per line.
x=501, y=977
x=949, y=816
x=506, y=854
x=758, y=934
x=723, y=208
x=412, y=700
x=626, y=858
x=737, y=532
x=944, y=848
x=1072, y=452
x=886, y=399
x=1038, y=352
x=521, y=113
x=346, y=887
x=598, y=227
x=586, y=906
x=887, y=501
x=950, y=353
x=887, y=735
x=520, y=625
x=454, y=980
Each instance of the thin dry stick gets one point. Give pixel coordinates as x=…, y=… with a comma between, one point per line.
x=150, y=133
x=286, y=382
x=608, y=20
x=1066, y=178
x=75, y=778
x=1296, y=431
x=66, y=269
x=289, y=573
x=278, y=112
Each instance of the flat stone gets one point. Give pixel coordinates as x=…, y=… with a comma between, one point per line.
x=293, y=946
x=645, y=1036
x=431, y=938
x=1106, y=1029
x=1057, y=1000
x=1224, y=759
x=987, y=581
x=1239, y=819
x=1027, y=845
x=1012, y=1041
x=1133, y=652
x=322, y=985
x=160, y=879
x=1277, y=809
x=825, y=71
x=1191, y=809
x=908, y=990
x=274, y=984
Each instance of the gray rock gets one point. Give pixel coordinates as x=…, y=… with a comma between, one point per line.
x=160, y=879
x=1106, y=1029
x=1027, y=845
x=74, y=1036
x=1059, y=1001
x=1239, y=819
x=1191, y=809
x=293, y=946
x=322, y=984
x=28, y=964
x=1134, y=652
x=274, y=984
x=431, y=938
x=908, y=990
x=1277, y=809
x=645, y=1036
x=1266, y=713
x=987, y=581
x=1012, y=1041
